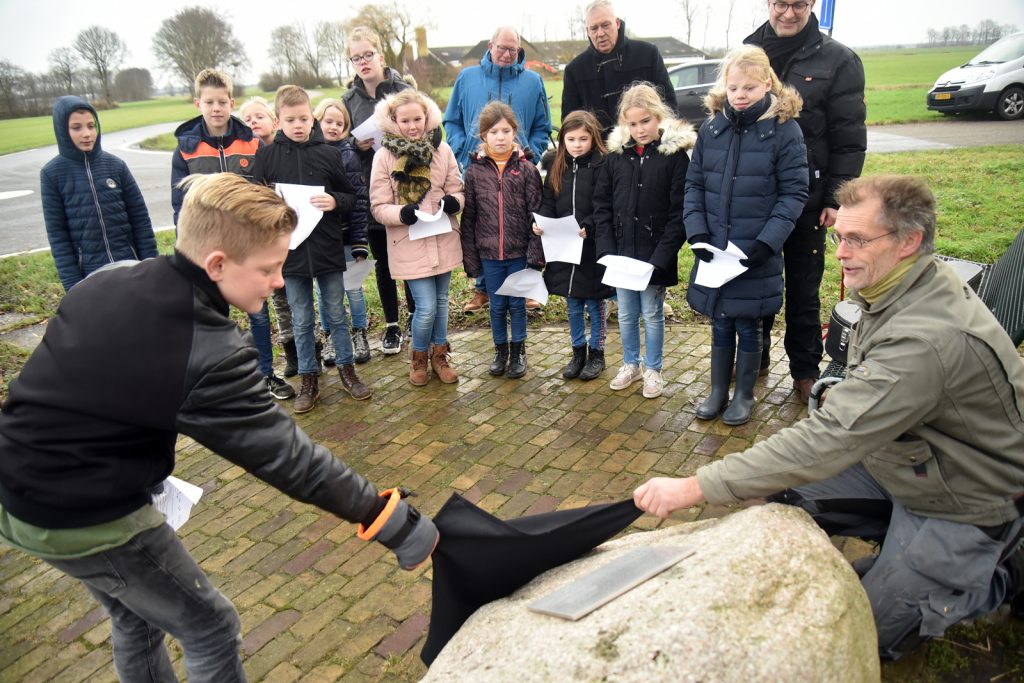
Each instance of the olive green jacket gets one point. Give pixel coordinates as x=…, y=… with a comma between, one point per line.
x=933, y=405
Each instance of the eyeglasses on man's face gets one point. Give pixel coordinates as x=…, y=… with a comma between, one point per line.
x=797, y=7
x=507, y=50
x=365, y=57
x=854, y=241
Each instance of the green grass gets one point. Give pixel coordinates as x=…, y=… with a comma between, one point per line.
x=912, y=65
x=165, y=142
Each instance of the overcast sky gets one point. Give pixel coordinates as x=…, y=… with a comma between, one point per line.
x=30, y=30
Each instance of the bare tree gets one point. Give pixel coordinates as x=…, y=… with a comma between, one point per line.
x=394, y=25
x=12, y=78
x=133, y=85
x=197, y=38
x=104, y=51
x=285, y=49
x=707, y=20
x=757, y=14
x=331, y=34
x=728, y=20
x=63, y=64
x=310, y=47
x=691, y=10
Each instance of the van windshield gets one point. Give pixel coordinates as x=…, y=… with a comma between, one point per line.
x=1004, y=50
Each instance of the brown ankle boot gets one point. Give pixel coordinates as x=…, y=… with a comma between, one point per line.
x=439, y=363
x=418, y=368
x=309, y=392
x=353, y=385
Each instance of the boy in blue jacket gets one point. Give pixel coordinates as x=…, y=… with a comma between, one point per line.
x=92, y=207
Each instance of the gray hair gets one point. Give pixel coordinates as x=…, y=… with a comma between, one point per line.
x=599, y=4
x=907, y=205
x=500, y=29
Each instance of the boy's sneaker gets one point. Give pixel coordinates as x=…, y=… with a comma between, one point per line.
x=628, y=374
x=278, y=388
x=330, y=358
x=654, y=383
x=360, y=346
x=392, y=342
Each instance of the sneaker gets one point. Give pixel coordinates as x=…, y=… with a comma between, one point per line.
x=477, y=303
x=392, y=341
x=628, y=374
x=328, y=354
x=360, y=346
x=278, y=388
x=654, y=383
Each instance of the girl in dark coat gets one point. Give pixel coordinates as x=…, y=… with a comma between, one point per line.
x=502, y=192
x=638, y=212
x=569, y=191
x=747, y=184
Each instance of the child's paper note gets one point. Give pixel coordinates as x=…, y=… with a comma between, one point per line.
x=176, y=501
x=369, y=130
x=356, y=272
x=429, y=224
x=527, y=283
x=625, y=272
x=724, y=267
x=561, y=239
x=297, y=197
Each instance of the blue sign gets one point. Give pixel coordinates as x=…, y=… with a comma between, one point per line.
x=826, y=13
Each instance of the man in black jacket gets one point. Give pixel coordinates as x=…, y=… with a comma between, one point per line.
x=597, y=77
x=89, y=429
x=830, y=79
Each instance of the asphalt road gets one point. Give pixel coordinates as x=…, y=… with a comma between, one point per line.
x=21, y=222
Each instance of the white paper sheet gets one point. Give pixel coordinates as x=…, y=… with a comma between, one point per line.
x=356, y=272
x=625, y=272
x=177, y=500
x=297, y=197
x=527, y=283
x=429, y=224
x=561, y=239
x=724, y=267
x=369, y=129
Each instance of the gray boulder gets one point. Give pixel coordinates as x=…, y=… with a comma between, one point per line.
x=766, y=597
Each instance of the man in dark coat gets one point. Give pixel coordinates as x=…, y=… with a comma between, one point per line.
x=830, y=79
x=596, y=78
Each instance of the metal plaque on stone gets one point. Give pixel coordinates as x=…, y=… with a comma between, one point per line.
x=584, y=595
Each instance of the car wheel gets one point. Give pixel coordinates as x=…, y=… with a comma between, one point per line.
x=1010, y=105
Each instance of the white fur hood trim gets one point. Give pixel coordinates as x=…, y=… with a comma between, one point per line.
x=676, y=136
x=389, y=126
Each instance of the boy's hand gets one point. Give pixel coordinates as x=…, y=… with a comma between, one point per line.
x=365, y=145
x=323, y=201
x=408, y=214
x=537, y=230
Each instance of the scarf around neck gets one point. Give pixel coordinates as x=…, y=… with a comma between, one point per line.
x=889, y=280
x=412, y=166
x=781, y=50
x=750, y=115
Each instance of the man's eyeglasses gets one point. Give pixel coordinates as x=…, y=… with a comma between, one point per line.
x=854, y=242
x=797, y=7
x=509, y=50
x=365, y=57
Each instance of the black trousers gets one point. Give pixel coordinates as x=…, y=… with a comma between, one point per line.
x=804, y=255
x=387, y=289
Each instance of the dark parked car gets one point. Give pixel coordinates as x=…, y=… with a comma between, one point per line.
x=692, y=81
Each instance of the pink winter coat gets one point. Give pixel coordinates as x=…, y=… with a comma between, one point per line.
x=414, y=259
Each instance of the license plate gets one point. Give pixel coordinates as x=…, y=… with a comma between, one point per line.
x=943, y=95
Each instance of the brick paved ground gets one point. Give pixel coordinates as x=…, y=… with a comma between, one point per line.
x=319, y=605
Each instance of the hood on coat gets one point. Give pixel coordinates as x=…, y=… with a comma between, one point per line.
x=492, y=69
x=193, y=131
x=387, y=125
x=786, y=105
x=62, y=110
x=676, y=136
x=358, y=88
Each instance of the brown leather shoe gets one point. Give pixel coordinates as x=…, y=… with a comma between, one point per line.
x=353, y=385
x=418, y=369
x=804, y=386
x=309, y=392
x=439, y=363
x=477, y=303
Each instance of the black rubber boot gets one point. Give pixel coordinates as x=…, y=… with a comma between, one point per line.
x=500, y=360
x=575, y=366
x=517, y=359
x=742, y=403
x=721, y=374
x=291, y=358
x=594, y=366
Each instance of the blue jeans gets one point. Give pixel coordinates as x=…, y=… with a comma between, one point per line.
x=356, y=303
x=479, y=283
x=151, y=586
x=259, y=325
x=430, y=319
x=725, y=330
x=648, y=304
x=504, y=307
x=578, y=324
x=300, y=299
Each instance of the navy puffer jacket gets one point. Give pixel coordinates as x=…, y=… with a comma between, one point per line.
x=92, y=207
x=747, y=183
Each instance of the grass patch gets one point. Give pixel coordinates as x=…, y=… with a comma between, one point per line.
x=912, y=65
x=165, y=142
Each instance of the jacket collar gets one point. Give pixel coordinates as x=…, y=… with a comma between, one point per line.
x=201, y=280
x=193, y=131
x=316, y=137
x=493, y=70
x=924, y=264
x=62, y=110
x=386, y=87
x=676, y=136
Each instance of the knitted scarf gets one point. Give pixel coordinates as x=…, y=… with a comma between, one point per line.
x=412, y=166
x=781, y=50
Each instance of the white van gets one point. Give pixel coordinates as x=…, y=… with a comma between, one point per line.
x=992, y=81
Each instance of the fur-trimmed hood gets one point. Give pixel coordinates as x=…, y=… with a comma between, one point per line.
x=676, y=136
x=786, y=105
x=387, y=125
